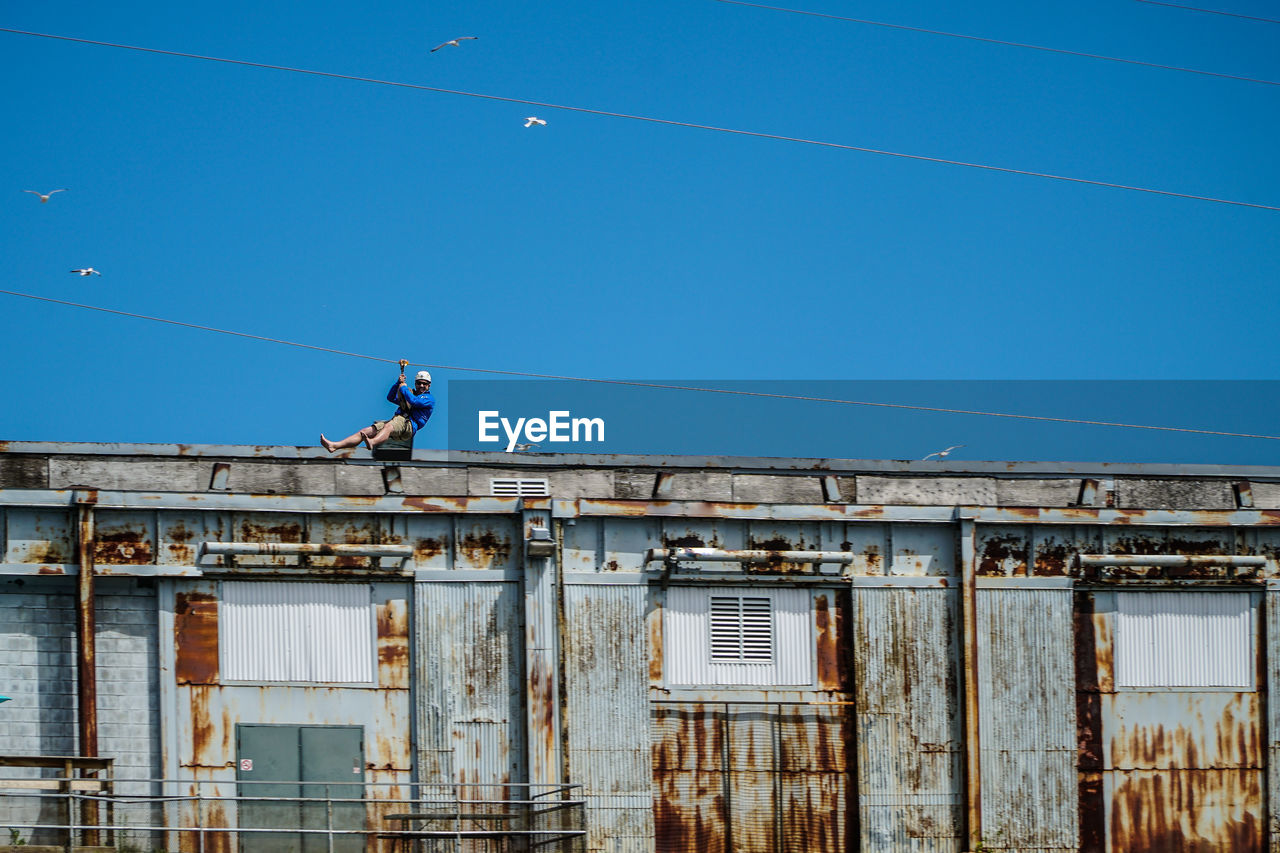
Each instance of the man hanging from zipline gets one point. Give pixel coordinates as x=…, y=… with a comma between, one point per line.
x=414, y=409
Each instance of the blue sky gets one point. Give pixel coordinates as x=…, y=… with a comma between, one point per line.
x=434, y=227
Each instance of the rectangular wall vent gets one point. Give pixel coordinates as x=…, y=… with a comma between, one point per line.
x=518, y=487
x=741, y=629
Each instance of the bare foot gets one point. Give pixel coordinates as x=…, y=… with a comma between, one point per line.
x=326, y=443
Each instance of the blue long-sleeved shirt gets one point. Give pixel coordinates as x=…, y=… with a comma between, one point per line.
x=417, y=408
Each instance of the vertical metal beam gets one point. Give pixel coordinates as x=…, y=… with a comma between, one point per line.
x=86, y=649
x=542, y=691
x=969, y=656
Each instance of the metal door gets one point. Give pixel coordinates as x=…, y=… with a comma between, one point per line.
x=751, y=778
x=1170, y=722
x=272, y=764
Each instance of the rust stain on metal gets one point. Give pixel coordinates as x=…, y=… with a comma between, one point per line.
x=752, y=777
x=195, y=622
x=1234, y=741
x=393, y=643
x=543, y=701
x=1052, y=558
x=1089, y=747
x=179, y=550
x=485, y=548
x=653, y=619
x=215, y=814
x=425, y=549
x=831, y=617
x=50, y=570
x=210, y=737
x=688, y=541
x=122, y=546
x=690, y=812
x=285, y=532
x=1188, y=810
x=997, y=551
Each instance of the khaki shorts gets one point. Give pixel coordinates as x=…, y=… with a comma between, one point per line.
x=401, y=427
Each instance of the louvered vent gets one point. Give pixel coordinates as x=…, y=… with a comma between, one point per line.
x=741, y=629
x=517, y=487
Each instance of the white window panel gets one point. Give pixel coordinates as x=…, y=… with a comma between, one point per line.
x=1185, y=639
x=734, y=636
x=297, y=632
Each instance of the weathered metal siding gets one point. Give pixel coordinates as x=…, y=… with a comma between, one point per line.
x=607, y=714
x=469, y=688
x=1027, y=719
x=202, y=710
x=1170, y=768
x=1271, y=682
x=909, y=734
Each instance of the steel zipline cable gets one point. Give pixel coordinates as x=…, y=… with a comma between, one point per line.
x=1211, y=11
x=1012, y=43
x=632, y=383
x=653, y=120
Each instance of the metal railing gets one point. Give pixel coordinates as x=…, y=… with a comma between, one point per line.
x=226, y=816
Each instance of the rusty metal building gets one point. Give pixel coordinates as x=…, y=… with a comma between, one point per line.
x=725, y=654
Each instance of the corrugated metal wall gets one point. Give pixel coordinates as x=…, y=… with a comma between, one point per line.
x=909, y=773
x=1027, y=721
x=468, y=682
x=607, y=715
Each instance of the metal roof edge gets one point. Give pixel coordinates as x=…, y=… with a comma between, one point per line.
x=455, y=458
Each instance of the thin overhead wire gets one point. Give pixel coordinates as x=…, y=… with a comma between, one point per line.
x=1211, y=11
x=1008, y=43
x=638, y=384
x=670, y=122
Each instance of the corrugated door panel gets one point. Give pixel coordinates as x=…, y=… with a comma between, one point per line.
x=690, y=803
x=607, y=679
x=908, y=720
x=814, y=747
x=1183, y=765
x=468, y=671
x=751, y=766
x=1028, y=723
x=751, y=778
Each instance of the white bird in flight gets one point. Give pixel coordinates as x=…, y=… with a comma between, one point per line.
x=44, y=197
x=453, y=42
x=532, y=120
x=943, y=454
x=86, y=271
x=524, y=447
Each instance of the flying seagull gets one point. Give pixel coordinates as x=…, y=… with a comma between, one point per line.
x=532, y=120
x=943, y=454
x=453, y=42
x=86, y=271
x=523, y=447
x=44, y=197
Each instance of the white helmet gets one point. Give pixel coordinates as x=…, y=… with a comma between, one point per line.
x=422, y=376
